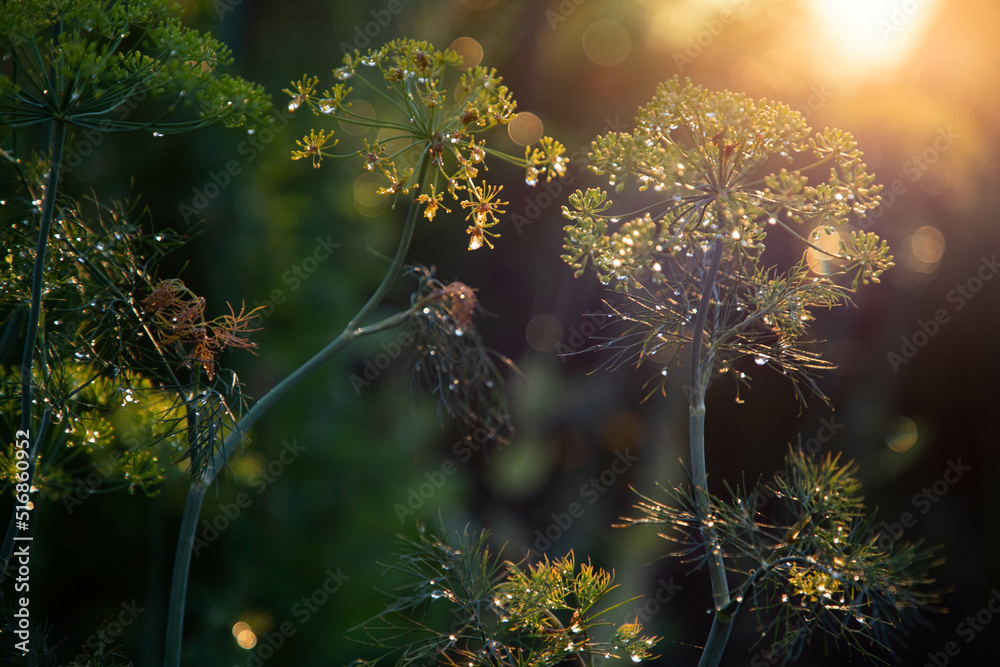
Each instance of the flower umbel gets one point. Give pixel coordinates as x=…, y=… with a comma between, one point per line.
x=432, y=203
x=484, y=212
x=701, y=160
x=313, y=146
x=431, y=108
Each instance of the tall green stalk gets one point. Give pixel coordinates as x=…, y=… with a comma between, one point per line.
x=34, y=314
x=196, y=494
x=701, y=367
x=704, y=160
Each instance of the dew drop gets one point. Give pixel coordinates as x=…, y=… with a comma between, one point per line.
x=760, y=361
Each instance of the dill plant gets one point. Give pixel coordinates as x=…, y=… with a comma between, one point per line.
x=76, y=270
x=461, y=604
x=103, y=334
x=713, y=175
x=437, y=149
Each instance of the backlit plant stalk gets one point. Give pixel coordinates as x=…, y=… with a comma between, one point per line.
x=436, y=149
x=74, y=66
x=689, y=264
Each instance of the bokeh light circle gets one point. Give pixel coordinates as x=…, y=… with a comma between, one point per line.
x=525, y=129
x=470, y=50
x=367, y=201
x=901, y=434
x=358, y=108
x=927, y=244
x=543, y=333
x=606, y=43
x=244, y=635
x=828, y=240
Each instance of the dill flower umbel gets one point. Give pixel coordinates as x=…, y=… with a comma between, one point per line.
x=430, y=128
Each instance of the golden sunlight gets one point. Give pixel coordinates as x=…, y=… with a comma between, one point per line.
x=821, y=261
x=870, y=34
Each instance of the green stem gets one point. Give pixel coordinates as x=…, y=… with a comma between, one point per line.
x=34, y=314
x=283, y=387
x=196, y=494
x=179, y=581
x=718, y=636
x=700, y=372
x=38, y=275
x=397, y=261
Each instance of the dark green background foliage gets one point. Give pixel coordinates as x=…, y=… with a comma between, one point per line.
x=330, y=476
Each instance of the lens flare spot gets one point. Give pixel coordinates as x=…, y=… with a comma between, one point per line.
x=901, y=434
x=525, y=129
x=821, y=257
x=543, y=333
x=367, y=200
x=606, y=43
x=470, y=50
x=358, y=108
x=927, y=245
x=245, y=637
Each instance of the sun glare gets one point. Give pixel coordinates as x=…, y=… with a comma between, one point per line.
x=871, y=34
